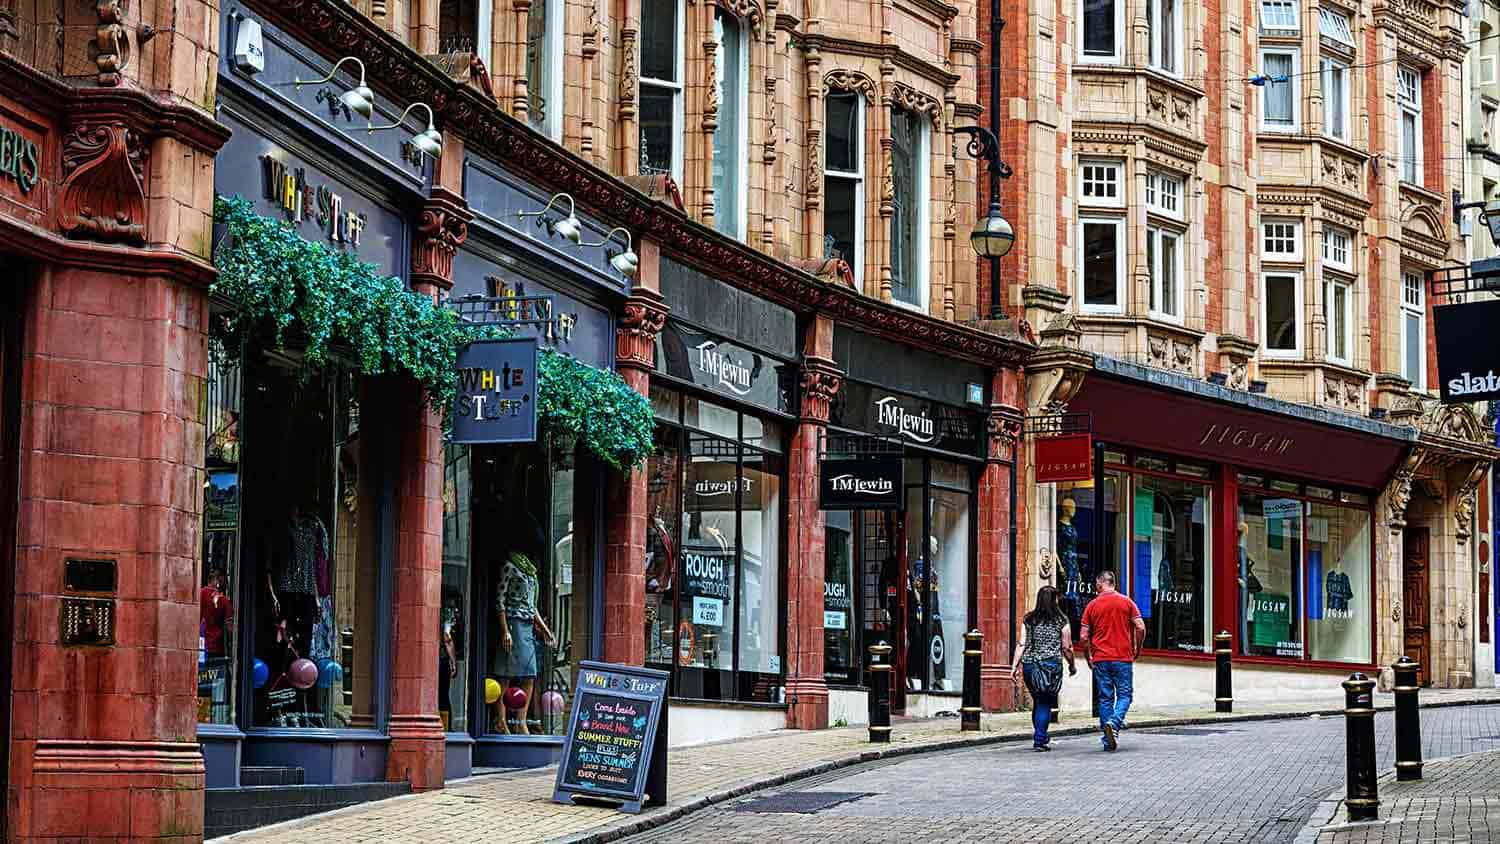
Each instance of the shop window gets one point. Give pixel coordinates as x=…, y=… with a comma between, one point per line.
x=844, y=180
x=1339, y=600
x=455, y=625
x=713, y=556
x=1078, y=554
x=1103, y=25
x=1169, y=576
x=1101, y=259
x=661, y=88
x=1164, y=262
x=1271, y=533
x=1280, y=95
x=1281, y=240
x=1409, y=98
x=1283, y=314
x=1335, y=98
x=1279, y=17
x=730, y=153
x=218, y=619
x=1413, y=331
x=1339, y=301
x=1164, y=21
x=544, y=67
x=909, y=237
x=947, y=583
x=464, y=26
x=841, y=660
x=1099, y=183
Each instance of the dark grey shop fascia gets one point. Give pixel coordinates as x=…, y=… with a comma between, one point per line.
x=315, y=110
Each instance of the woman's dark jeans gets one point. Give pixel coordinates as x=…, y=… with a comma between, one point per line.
x=1042, y=703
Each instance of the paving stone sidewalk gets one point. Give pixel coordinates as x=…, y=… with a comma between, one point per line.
x=1455, y=801
x=520, y=804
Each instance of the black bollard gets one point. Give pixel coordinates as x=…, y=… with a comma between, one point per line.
x=880, y=692
x=1408, y=721
x=973, y=652
x=1363, y=797
x=1223, y=685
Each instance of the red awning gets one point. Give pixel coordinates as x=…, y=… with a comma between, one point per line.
x=1176, y=422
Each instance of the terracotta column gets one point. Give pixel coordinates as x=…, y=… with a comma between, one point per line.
x=997, y=489
x=806, y=690
x=625, y=533
x=418, y=747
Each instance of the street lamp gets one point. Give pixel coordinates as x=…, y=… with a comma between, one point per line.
x=993, y=235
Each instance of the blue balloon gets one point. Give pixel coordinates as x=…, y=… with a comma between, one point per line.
x=261, y=674
x=325, y=673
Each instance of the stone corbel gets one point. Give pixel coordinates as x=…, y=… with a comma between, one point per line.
x=1236, y=354
x=103, y=194
x=443, y=227
x=1400, y=488
x=821, y=381
x=644, y=317
x=1054, y=376
x=1463, y=504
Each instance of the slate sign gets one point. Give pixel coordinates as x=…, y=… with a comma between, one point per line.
x=616, y=747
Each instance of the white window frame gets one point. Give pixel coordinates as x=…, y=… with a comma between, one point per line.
x=1335, y=25
x=1153, y=18
x=1115, y=57
x=921, y=181
x=1163, y=190
x=1409, y=101
x=1413, y=302
x=1292, y=80
x=1331, y=238
x=1327, y=67
x=1121, y=247
x=1297, y=315
x=741, y=129
x=1344, y=320
x=680, y=53
x=1154, y=237
x=552, y=58
x=1281, y=257
x=1487, y=70
x=484, y=28
x=1117, y=166
x=1281, y=30
x=857, y=263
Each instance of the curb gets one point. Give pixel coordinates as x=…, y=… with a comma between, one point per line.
x=669, y=814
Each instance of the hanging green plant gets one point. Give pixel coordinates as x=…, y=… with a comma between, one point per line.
x=281, y=283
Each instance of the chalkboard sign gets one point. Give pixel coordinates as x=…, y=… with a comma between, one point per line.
x=616, y=748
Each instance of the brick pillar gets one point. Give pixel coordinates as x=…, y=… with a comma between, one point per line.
x=806, y=689
x=418, y=745
x=997, y=489
x=111, y=449
x=625, y=545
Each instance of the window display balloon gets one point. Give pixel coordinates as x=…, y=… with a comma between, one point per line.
x=552, y=702
x=261, y=673
x=515, y=698
x=491, y=690
x=302, y=674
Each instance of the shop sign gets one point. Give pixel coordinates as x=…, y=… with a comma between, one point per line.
x=20, y=159
x=918, y=421
x=708, y=580
x=869, y=483
x=722, y=367
x=716, y=486
x=301, y=200
x=1468, y=358
x=1066, y=457
x=496, y=401
x=616, y=747
x=1271, y=615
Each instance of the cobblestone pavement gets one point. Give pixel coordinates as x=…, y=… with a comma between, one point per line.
x=1227, y=782
x=1455, y=801
x=519, y=803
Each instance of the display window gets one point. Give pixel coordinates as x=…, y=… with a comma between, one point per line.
x=1088, y=543
x=218, y=646
x=840, y=657
x=714, y=551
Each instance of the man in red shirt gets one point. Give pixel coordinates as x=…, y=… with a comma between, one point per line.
x=1111, y=635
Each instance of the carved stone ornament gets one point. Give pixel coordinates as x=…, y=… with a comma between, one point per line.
x=1400, y=489
x=821, y=381
x=441, y=229
x=628, y=74
x=1463, y=504
x=745, y=10
x=910, y=99
x=851, y=80
x=1396, y=610
x=102, y=194
x=644, y=316
x=110, y=41
x=1239, y=374
x=1044, y=564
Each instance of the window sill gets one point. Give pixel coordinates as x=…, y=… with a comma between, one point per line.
x=728, y=704
x=908, y=306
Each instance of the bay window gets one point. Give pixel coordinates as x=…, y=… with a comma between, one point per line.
x=1338, y=297
x=1338, y=248
x=909, y=230
x=1409, y=97
x=1335, y=99
x=1413, y=330
x=1280, y=106
x=1281, y=240
x=1282, y=314
x=1101, y=262
x=1279, y=17
x=844, y=180
x=1335, y=26
x=1099, y=183
x=1164, y=20
x=1103, y=23
x=730, y=154
x=661, y=88
x=1164, y=263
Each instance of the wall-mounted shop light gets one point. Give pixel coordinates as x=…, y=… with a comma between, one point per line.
x=429, y=141
x=568, y=227
x=626, y=263
x=359, y=99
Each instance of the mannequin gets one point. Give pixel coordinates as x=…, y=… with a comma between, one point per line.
x=1067, y=557
x=517, y=658
x=1249, y=585
x=294, y=585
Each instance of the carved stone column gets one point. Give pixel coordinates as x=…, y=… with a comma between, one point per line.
x=806, y=689
x=997, y=489
x=442, y=227
x=625, y=550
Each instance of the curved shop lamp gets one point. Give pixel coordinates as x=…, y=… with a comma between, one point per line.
x=429, y=140
x=626, y=263
x=568, y=227
x=359, y=99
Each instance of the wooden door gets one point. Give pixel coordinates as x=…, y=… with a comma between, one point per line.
x=1414, y=600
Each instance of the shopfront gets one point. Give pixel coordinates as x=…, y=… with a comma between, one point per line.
x=1223, y=511
x=722, y=392
x=906, y=576
x=522, y=523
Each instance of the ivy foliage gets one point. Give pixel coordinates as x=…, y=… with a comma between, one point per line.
x=284, y=287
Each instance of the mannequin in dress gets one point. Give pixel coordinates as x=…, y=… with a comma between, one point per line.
x=517, y=659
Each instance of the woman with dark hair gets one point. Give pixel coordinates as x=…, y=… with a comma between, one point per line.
x=1046, y=640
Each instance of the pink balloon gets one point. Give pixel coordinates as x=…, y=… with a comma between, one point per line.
x=515, y=698
x=303, y=673
x=552, y=702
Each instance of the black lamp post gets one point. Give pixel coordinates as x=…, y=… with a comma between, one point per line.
x=993, y=235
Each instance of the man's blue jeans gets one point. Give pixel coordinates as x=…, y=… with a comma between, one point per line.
x=1115, y=689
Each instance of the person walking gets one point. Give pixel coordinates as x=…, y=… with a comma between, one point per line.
x=1046, y=640
x=1111, y=636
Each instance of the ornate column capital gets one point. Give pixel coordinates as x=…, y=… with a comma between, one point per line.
x=1463, y=504
x=442, y=227
x=103, y=193
x=821, y=381
x=1004, y=425
x=635, y=339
